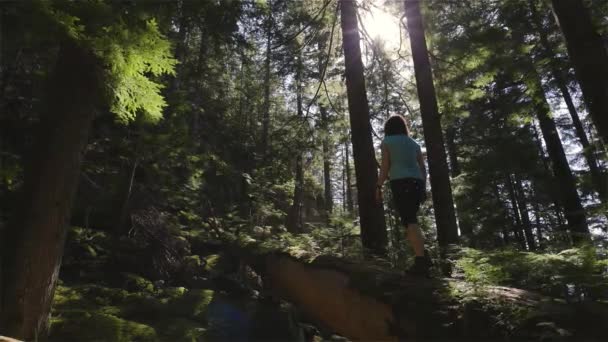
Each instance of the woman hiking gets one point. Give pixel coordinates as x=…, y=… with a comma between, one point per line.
x=403, y=164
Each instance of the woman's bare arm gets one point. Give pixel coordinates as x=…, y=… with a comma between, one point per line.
x=421, y=164
x=384, y=166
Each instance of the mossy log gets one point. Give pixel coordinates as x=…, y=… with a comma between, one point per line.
x=363, y=301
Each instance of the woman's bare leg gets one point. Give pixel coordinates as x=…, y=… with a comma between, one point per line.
x=414, y=235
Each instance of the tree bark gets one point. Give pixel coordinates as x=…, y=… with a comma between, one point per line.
x=537, y=215
x=518, y=227
x=349, y=190
x=597, y=177
x=505, y=232
x=326, y=162
x=126, y=197
x=575, y=214
x=522, y=204
x=556, y=206
x=373, y=226
x=447, y=230
x=266, y=104
x=466, y=230
x=294, y=218
x=588, y=56
x=51, y=180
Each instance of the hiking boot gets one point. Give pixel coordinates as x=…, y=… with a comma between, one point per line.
x=421, y=266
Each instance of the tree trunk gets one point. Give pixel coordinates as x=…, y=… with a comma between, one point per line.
x=266, y=104
x=126, y=197
x=326, y=162
x=537, y=223
x=450, y=135
x=51, y=180
x=518, y=227
x=447, y=230
x=588, y=56
x=520, y=195
x=349, y=190
x=505, y=232
x=180, y=45
x=294, y=218
x=575, y=214
x=466, y=230
x=597, y=178
x=556, y=206
x=373, y=226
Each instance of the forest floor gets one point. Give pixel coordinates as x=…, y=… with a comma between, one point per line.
x=245, y=293
x=96, y=300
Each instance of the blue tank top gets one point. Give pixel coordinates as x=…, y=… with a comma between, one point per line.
x=403, y=151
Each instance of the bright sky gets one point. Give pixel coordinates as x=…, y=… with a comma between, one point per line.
x=382, y=25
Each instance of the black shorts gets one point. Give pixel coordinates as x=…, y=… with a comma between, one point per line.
x=407, y=196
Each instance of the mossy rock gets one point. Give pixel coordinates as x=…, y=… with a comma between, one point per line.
x=136, y=283
x=81, y=325
x=192, y=304
x=144, y=306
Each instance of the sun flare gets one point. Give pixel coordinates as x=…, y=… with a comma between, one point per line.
x=382, y=25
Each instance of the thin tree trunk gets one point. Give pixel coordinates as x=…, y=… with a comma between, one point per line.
x=36, y=242
x=266, y=104
x=294, y=218
x=518, y=227
x=180, y=46
x=126, y=198
x=505, y=232
x=349, y=189
x=522, y=204
x=589, y=58
x=326, y=162
x=373, y=226
x=344, y=207
x=466, y=230
x=447, y=230
x=537, y=215
x=450, y=135
x=597, y=177
x=575, y=214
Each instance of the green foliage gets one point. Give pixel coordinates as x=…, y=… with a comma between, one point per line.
x=477, y=269
x=132, y=52
x=136, y=283
x=571, y=273
x=99, y=313
x=133, y=55
x=87, y=326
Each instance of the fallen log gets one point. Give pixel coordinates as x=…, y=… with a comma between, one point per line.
x=363, y=301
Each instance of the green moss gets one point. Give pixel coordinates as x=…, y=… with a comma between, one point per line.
x=66, y=295
x=136, y=283
x=81, y=325
x=90, y=312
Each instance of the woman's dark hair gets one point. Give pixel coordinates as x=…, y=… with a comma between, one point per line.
x=395, y=125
